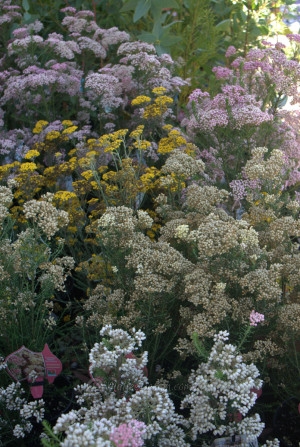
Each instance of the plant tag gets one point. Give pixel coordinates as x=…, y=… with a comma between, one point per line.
x=53, y=365
x=34, y=367
x=235, y=441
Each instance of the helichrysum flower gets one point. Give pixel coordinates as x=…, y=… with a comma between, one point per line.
x=67, y=123
x=31, y=154
x=28, y=167
x=69, y=130
x=53, y=135
x=137, y=132
x=159, y=91
x=142, y=99
x=40, y=126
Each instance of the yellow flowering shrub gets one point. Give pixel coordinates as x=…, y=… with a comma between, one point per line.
x=69, y=201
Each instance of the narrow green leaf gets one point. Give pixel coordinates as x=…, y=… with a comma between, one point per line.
x=160, y=50
x=141, y=10
x=224, y=25
x=147, y=37
x=156, y=12
x=171, y=24
x=166, y=3
x=25, y=5
x=157, y=30
x=130, y=5
x=27, y=17
x=167, y=40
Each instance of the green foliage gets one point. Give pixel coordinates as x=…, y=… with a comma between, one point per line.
x=155, y=22
x=243, y=23
x=142, y=7
x=198, y=48
x=51, y=440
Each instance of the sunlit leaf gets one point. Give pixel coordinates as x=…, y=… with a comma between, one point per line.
x=224, y=25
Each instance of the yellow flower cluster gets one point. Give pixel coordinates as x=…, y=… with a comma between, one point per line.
x=52, y=135
x=69, y=130
x=171, y=142
x=158, y=108
x=139, y=100
x=64, y=196
x=28, y=167
x=87, y=175
x=139, y=144
x=159, y=91
x=31, y=154
x=142, y=145
x=67, y=123
x=111, y=142
x=137, y=132
x=39, y=126
x=5, y=170
x=150, y=179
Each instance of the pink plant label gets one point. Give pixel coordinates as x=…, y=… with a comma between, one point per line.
x=34, y=367
x=53, y=365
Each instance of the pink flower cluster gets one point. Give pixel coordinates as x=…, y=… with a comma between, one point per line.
x=233, y=107
x=256, y=318
x=43, y=76
x=129, y=435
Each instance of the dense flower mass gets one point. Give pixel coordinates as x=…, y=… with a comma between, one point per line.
x=228, y=382
x=149, y=226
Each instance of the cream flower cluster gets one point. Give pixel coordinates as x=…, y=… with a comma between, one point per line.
x=48, y=218
x=6, y=198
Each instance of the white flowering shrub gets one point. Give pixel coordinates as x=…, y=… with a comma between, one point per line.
x=113, y=364
x=117, y=402
x=222, y=391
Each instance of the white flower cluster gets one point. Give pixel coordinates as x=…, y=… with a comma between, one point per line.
x=102, y=411
x=182, y=231
x=222, y=389
x=153, y=405
x=12, y=398
x=114, y=356
x=90, y=433
x=33, y=409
